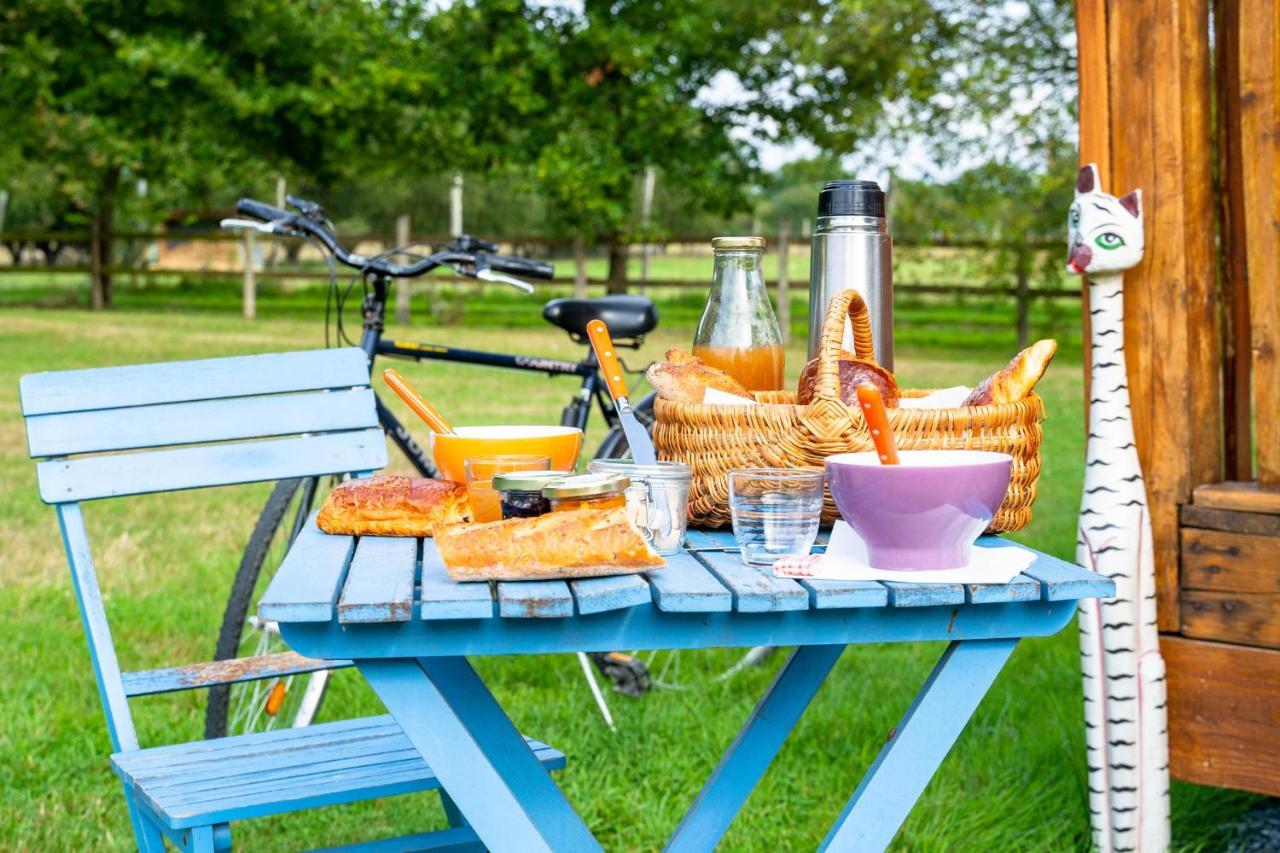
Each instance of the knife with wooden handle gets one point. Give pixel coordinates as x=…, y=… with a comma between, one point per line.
x=637, y=437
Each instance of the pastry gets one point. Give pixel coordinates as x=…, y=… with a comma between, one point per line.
x=685, y=378
x=575, y=543
x=854, y=371
x=393, y=506
x=1015, y=381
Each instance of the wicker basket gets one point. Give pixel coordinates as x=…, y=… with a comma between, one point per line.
x=778, y=433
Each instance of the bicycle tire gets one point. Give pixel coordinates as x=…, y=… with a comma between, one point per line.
x=240, y=599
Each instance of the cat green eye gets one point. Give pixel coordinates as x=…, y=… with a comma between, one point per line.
x=1109, y=240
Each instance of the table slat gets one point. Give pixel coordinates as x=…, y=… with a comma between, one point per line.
x=307, y=583
x=754, y=588
x=832, y=594
x=1063, y=581
x=379, y=585
x=534, y=599
x=442, y=598
x=685, y=586
x=924, y=594
x=598, y=595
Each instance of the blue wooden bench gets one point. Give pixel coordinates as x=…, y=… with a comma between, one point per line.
x=118, y=431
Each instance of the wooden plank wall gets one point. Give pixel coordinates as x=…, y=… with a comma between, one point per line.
x=1146, y=119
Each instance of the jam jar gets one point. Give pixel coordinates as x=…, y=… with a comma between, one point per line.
x=520, y=492
x=588, y=491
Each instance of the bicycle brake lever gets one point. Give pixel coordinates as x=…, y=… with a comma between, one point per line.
x=487, y=274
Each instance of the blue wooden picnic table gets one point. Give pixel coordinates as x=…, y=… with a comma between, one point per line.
x=388, y=605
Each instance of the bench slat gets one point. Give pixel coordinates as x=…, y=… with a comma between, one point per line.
x=444, y=599
x=685, y=586
x=307, y=583
x=754, y=588
x=89, y=478
x=199, y=422
x=599, y=595
x=534, y=599
x=379, y=585
x=145, y=682
x=182, y=381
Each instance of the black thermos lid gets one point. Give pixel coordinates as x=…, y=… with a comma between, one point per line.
x=851, y=198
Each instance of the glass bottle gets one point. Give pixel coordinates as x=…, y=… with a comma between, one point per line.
x=738, y=331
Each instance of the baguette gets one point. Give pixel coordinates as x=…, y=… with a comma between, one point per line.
x=685, y=378
x=1015, y=381
x=578, y=543
x=393, y=506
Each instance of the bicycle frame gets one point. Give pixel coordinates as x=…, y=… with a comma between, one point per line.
x=576, y=414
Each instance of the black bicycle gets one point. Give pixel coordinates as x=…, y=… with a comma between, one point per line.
x=294, y=700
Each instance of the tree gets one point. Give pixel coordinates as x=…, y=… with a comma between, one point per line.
x=191, y=96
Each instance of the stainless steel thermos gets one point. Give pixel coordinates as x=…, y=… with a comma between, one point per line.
x=852, y=248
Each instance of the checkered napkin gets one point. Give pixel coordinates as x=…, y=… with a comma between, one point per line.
x=993, y=561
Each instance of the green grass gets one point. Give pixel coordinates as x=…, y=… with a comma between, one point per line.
x=1015, y=780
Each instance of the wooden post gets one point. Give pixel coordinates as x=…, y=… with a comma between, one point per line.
x=404, y=287
x=4, y=208
x=1022, y=267
x=250, y=299
x=784, y=298
x=646, y=217
x=281, y=192
x=1144, y=118
x=455, y=206
x=579, y=267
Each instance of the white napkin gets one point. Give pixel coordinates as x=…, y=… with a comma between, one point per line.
x=846, y=560
x=946, y=398
x=716, y=397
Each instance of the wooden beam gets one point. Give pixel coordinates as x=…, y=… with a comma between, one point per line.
x=1260, y=156
x=1244, y=497
x=1095, y=129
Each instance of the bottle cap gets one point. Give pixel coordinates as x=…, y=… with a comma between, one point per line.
x=526, y=481
x=737, y=243
x=851, y=198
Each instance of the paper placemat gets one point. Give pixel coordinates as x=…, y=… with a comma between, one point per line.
x=846, y=560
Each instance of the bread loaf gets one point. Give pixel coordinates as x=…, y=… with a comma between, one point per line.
x=854, y=371
x=393, y=506
x=578, y=543
x=1015, y=381
x=685, y=378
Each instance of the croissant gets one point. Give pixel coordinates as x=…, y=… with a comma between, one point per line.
x=1014, y=382
x=854, y=371
x=393, y=506
x=685, y=378
x=574, y=543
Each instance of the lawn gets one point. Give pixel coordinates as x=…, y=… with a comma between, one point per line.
x=1015, y=780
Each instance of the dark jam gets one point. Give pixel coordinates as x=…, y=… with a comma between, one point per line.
x=519, y=504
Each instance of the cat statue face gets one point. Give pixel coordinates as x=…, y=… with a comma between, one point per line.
x=1104, y=233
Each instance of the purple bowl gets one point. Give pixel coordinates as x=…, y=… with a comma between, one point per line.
x=924, y=513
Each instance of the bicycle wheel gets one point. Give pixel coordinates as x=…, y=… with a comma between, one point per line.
x=273, y=702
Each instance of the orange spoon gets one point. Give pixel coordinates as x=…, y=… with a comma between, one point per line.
x=878, y=422
x=414, y=400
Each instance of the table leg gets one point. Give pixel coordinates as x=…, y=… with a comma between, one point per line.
x=908, y=761
x=480, y=759
x=759, y=740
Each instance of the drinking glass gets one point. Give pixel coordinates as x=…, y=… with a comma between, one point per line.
x=486, y=503
x=775, y=512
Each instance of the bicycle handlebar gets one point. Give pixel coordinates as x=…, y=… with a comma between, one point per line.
x=467, y=255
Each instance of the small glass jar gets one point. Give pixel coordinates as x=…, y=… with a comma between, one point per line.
x=657, y=499
x=587, y=491
x=520, y=492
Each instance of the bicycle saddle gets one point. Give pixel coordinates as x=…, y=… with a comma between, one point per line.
x=626, y=316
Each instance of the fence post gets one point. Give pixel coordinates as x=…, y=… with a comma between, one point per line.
x=250, y=279
x=579, y=267
x=455, y=206
x=281, y=192
x=646, y=215
x=403, y=286
x=784, y=299
x=1023, y=295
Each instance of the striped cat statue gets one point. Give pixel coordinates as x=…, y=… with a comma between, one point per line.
x=1124, y=682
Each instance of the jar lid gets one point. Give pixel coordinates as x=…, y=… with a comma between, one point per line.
x=737, y=243
x=586, y=486
x=526, y=481
x=664, y=470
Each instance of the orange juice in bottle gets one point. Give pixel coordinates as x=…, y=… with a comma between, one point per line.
x=738, y=331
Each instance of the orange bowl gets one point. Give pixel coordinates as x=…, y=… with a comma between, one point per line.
x=562, y=444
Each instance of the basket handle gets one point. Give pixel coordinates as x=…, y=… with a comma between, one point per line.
x=846, y=303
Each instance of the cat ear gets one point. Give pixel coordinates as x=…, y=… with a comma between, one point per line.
x=1133, y=203
x=1087, y=181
